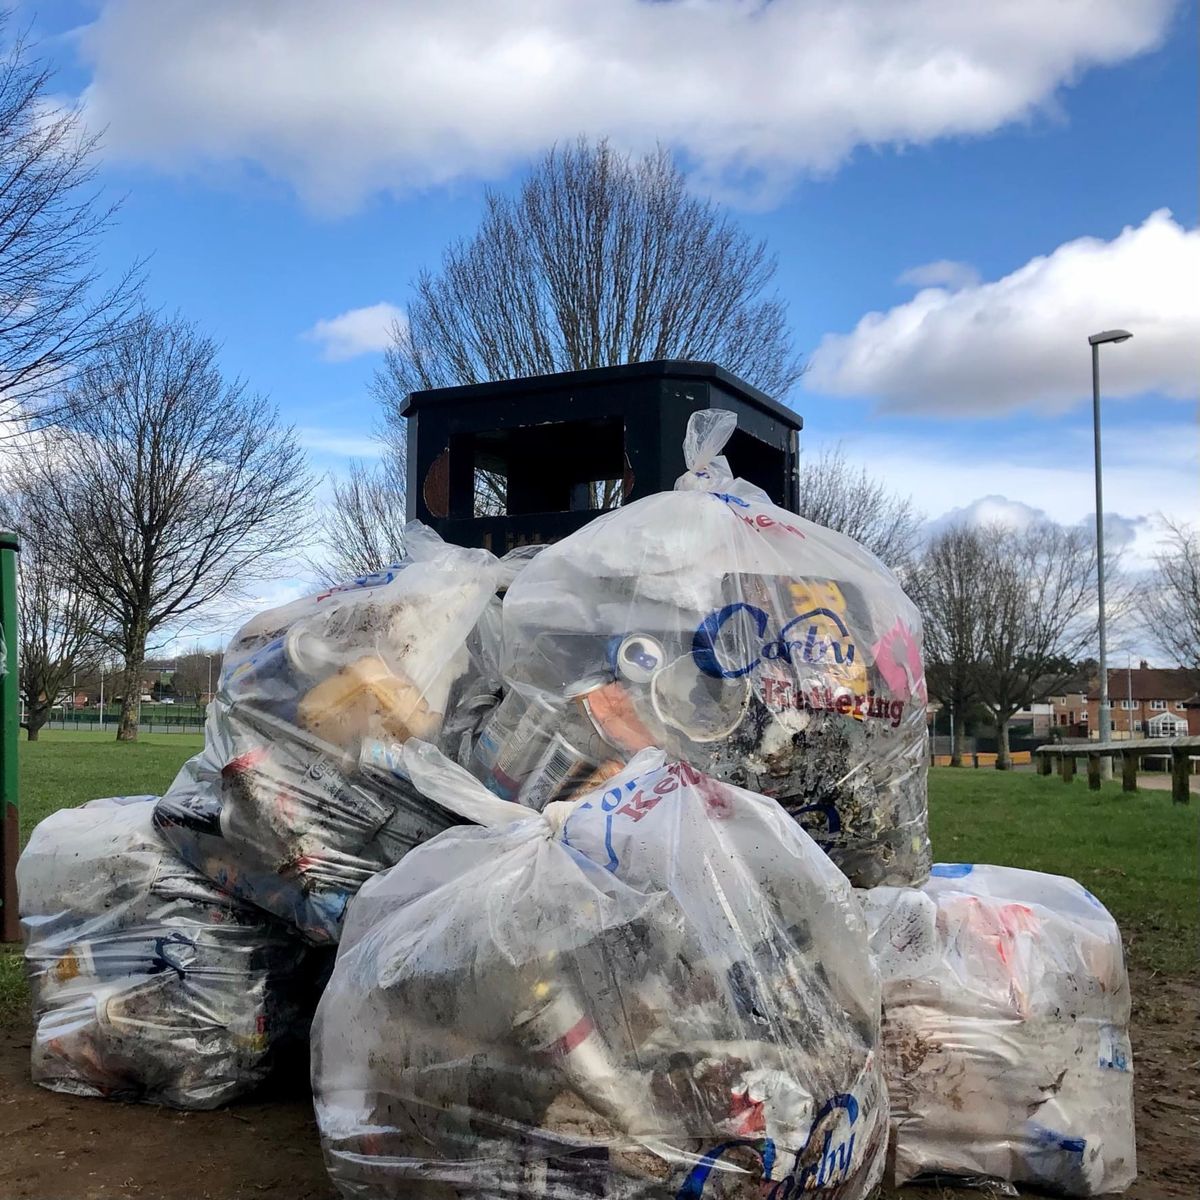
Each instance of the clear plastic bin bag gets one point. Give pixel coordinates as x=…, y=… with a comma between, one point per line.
x=294, y=801
x=763, y=649
x=1006, y=1031
x=662, y=990
x=148, y=982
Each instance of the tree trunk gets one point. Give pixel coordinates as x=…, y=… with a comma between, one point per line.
x=131, y=682
x=956, y=745
x=35, y=717
x=1003, y=757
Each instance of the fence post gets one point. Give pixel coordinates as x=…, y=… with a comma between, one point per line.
x=1066, y=767
x=1094, y=764
x=1180, y=762
x=1045, y=766
x=10, y=720
x=1129, y=770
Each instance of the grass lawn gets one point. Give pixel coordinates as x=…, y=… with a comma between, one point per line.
x=65, y=768
x=1137, y=853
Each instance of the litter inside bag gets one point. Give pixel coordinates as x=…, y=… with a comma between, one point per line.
x=148, y=982
x=294, y=802
x=1006, y=1030
x=663, y=990
x=760, y=648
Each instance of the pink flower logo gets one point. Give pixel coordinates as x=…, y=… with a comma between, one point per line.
x=898, y=658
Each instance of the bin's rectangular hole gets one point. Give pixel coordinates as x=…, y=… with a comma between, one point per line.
x=558, y=466
x=757, y=463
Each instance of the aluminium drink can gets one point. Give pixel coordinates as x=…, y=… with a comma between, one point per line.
x=559, y=771
x=517, y=751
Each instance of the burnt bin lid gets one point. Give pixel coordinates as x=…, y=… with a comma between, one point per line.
x=660, y=368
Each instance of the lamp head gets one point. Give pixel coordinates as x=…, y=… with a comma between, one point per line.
x=1109, y=335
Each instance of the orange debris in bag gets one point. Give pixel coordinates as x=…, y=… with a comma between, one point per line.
x=612, y=712
x=366, y=698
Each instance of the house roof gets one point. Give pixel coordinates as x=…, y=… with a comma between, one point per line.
x=1148, y=683
x=1074, y=686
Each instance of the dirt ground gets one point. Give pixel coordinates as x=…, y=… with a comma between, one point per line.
x=61, y=1148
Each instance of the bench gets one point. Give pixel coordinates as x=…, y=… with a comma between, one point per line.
x=1180, y=750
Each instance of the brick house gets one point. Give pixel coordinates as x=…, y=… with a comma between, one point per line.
x=1070, y=713
x=1145, y=702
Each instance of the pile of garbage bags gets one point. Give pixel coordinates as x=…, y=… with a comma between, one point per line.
x=294, y=802
x=583, y=823
x=758, y=647
x=1006, y=1031
x=148, y=982
x=660, y=990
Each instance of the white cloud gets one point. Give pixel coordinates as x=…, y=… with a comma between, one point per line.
x=990, y=510
x=1021, y=478
x=1120, y=532
x=1021, y=341
x=342, y=100
x=358, y=331
x=943, y=273
x=344, y=445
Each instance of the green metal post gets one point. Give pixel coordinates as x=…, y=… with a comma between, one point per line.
x=10, y=720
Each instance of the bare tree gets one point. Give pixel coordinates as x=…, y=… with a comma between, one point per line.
x=600, y=259
x=946, y=585
x=1171, y=597
x=54, y=312
x=167, y=485
x=835, y=494
x=196, y=672
x=1036, y=615
x=362, y=530
x=59, y=623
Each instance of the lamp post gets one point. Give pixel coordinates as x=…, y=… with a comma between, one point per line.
x=209, y=692
x=1129, y=692
x=1096, y=340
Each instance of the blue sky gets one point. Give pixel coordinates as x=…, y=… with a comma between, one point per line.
x=284, y=164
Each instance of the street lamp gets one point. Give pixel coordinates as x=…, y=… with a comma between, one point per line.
x=1096, y=340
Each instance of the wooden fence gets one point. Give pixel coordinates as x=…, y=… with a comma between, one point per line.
x=1180, y=750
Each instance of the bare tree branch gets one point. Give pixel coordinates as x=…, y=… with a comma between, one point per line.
x=1171, y=597
x=945, y=585
x=54, y=312
x=60, y=623
x=196, y=672
x=1036, y=613
x=363, y=529
x=834, y=494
